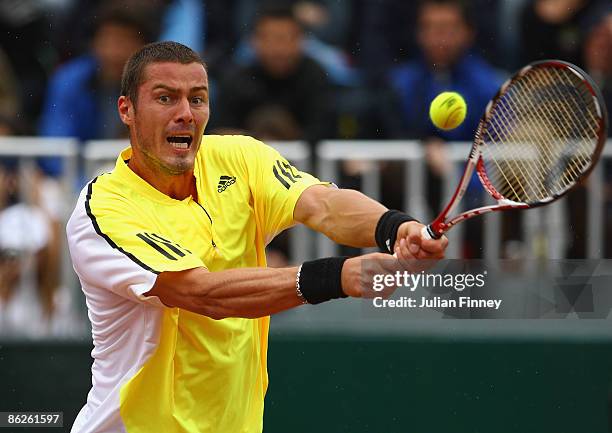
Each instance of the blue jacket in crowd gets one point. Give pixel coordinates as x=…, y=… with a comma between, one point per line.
x=416, y=86
x=77, y=106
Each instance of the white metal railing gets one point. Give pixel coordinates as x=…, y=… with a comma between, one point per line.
x=544, y=229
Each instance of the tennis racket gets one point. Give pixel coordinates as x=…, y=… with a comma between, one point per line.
x=540, y=136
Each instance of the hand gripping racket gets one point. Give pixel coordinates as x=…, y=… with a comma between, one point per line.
x=539, y=137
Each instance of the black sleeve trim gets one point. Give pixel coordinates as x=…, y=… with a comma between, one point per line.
x=156, y=247
x=94, y=222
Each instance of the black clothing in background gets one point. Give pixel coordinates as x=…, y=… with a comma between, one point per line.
x=305, y=94
x=25, y=39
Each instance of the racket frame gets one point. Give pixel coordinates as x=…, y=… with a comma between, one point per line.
x=441, y=225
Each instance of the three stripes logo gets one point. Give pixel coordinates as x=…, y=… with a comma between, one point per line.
x=166, y=248
x=225, y=182
x=285, y=173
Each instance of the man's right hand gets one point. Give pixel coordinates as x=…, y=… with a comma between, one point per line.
x=356, y=276
x=358, y=272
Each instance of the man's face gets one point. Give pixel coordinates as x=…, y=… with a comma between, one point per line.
x=113, y=44
x=443, y=35
x=168, y=121
x=278, y=45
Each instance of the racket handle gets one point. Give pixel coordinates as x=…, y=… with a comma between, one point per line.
x=427, y=233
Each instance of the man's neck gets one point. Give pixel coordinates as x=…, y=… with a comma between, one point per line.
x=177, y=187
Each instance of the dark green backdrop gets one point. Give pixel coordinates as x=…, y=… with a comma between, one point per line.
x=373, y=384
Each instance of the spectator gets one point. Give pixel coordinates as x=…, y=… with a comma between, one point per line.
x=325, y=25
x=552, y=29
x=32, y=304
x=273, y=124
x=327, y=20
x=24, y=234
x=281, y=77
x=445, y=35
x=597, y=56
x=9, y=98
x=82, y=94
x=597, y=51
x=178, y=20
x=381, y=40
x=25, y=41
x=77, y=22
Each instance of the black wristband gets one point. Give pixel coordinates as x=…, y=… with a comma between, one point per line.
x=386, y=229
x=321, y=280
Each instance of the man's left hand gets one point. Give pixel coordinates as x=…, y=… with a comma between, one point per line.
x=410, y=244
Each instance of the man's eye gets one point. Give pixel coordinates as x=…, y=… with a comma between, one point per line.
x=164, y=99
x=197, y=100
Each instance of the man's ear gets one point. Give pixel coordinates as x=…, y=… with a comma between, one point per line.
x=126, y=110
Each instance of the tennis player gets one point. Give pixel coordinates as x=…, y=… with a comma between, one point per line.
x=169, y=249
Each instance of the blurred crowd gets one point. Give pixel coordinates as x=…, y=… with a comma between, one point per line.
x=278, y=70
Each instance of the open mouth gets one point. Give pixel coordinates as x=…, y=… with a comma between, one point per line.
x=180, y=141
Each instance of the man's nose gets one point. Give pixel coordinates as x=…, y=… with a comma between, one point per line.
x=183, y=112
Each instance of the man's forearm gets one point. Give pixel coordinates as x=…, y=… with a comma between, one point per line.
x=247, y=292
x=348, y=217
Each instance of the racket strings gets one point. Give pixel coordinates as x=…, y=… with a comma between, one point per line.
x=506, y=111
x=511, y=186
x=578, y=160
x=541, y=128
x=535, y=129
x=540, y=135
x=526, y=169
x=569, y=116
x=529, y=167
x=585, y=94
x=583, y=150
x=592, y=121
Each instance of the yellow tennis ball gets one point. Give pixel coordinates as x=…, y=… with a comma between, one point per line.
x=448, y=110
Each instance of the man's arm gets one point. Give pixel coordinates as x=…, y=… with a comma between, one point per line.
x=345, y=216
x=246, y=292
x=349, y=217
x=250, y=292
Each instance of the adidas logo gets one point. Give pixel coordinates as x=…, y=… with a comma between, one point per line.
x=225, y=182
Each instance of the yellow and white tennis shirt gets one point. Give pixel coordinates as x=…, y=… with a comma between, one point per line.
x=160, y=369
